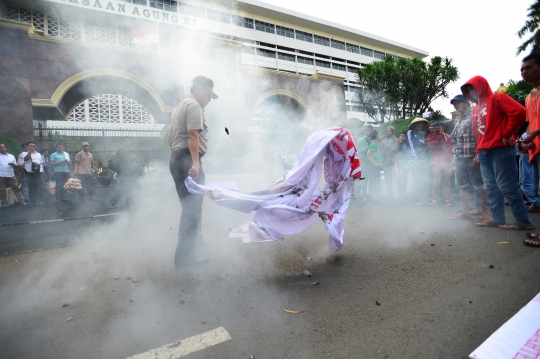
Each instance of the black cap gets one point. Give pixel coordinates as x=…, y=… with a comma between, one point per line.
x=207, y=85
x=459, y=97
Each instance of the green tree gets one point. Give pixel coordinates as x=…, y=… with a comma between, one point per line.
x=519, y=90
x=532, y=27
x=397, y=87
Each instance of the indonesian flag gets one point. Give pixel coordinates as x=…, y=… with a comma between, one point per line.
x=145, y=36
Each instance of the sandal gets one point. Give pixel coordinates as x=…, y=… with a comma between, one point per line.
x=532, y=242
x=461, y=216
x=475, y=211
x=485, y=218
x=517, y=225
x=533, y=236
x=488, y=223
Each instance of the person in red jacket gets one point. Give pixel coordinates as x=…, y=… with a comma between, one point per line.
x=496, y=119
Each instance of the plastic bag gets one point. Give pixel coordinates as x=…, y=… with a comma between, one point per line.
x=73, y=184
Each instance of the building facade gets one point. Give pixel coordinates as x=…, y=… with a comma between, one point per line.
x=127, y=63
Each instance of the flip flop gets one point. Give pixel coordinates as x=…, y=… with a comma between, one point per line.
x=532, y=243
x=517, y=226
x=488, y=223
x=533, y=236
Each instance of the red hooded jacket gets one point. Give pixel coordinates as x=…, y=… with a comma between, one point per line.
x=496, y=116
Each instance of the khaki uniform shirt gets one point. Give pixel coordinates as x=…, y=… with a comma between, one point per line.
x=188, y=115
x=85, y=161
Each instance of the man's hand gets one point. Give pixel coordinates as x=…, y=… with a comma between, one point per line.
x=475, y=161
x=194, y=171
x=509, y=142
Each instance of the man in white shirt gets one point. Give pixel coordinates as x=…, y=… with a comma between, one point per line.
x=7, y=177
x=23, y=180
x=34, y=172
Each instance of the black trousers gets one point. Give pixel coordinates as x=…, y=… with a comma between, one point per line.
x=87, y=182
x=190, y=219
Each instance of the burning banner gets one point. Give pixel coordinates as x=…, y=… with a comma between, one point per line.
x=293, y=203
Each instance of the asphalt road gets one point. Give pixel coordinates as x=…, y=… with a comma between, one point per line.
x=438, y=297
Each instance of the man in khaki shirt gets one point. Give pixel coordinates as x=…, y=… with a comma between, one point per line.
x=84, y=162
x=187, y=138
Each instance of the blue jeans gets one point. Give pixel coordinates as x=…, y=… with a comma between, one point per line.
x=534, y=164
x=526, y=178
x=61, y=179
x=500, y=174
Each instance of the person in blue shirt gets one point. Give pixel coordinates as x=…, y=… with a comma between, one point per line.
x=60, y=161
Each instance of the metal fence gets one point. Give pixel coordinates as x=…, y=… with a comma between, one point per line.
x=151, y=144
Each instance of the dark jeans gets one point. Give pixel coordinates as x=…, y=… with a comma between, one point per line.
x=500, y=174
x=87, y=183
x=535, y=168
x=35, y=187
x=61, y=179
x=124, y=187
x=190, y=219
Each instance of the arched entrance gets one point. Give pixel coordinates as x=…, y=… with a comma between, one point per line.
x=87, y=84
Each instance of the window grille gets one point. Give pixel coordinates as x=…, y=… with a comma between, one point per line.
x=338, y=67
x=286, y=57
x=242, y=21
x=191, y=10
x=365, y=51
x=285, y=31
x=322, y=64
x=109, y=108
x=218, y=16
x=100, y=33
x=305, y=60
x=13, y=13
x=265, y=27
x=353, y=48
x=379, y=55
x=338, y=44
x=64, y=27
x=304, y=36
x=167, y=5
x=322, y=40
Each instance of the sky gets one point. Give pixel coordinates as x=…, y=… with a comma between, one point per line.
x=479, y=35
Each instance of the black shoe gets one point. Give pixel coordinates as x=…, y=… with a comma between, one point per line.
x=533, y=208
x=113, y=203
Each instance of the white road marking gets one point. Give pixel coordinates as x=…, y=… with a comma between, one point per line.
x=187, y=346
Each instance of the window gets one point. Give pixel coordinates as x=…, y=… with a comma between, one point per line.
x=305, y=52
x=286, y=48
x=248, y=50
x=191, y=10
x=352, y=69
x=140, y=2
x=266, y=53
x=345, y=88
x=348, y=108
x=285, y=31
x=304, y=60
x=285, y=57
x=322, y=40
x=354, y=88
x=218, y=16
x=338, y=67
x=353, y=48
x=242, y=21
x=265, y=27
x=379, y=55
x=304, y=36
x=366, y=51
x=354, y=63
x=323, y=56
x=322, y=64
x=338, y=44
x=167, y=5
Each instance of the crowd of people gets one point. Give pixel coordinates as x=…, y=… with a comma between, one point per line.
x=31, y=175
x=479, y=156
